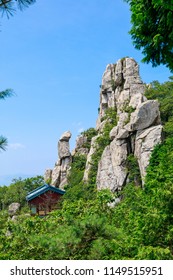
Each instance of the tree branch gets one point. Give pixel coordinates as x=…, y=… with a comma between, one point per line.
x=4, y=2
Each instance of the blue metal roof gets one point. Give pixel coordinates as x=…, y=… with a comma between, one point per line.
x=40, y=190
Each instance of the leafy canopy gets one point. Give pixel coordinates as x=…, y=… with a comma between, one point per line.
x=18, y=190
x=152, y=30
x=164, y=94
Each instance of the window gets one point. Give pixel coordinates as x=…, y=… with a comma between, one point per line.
x=33, y=209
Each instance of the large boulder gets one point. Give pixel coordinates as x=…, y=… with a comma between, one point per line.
x=146, y=115
x=56, y=173
x=48, y=175
x=63, y=145
x=65, y=136
x=107, y=77
x=105, y=176
x=81, y=147
x=145, y=142
x=13, y=208
x=58, y=176
x=89, y=158
x=112, y=172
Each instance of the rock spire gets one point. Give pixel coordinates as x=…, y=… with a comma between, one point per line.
x=138, y=129
x=58, y=176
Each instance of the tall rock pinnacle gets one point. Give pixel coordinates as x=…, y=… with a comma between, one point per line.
x=58, y=176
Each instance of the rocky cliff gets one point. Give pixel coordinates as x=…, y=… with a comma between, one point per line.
x=135, y=130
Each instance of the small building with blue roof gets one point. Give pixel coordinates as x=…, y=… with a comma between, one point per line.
x=44, y=199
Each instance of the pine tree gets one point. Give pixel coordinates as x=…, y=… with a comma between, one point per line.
x=9, y=7
x=3, y=141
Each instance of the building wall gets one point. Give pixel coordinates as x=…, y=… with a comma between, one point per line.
x=45, y=203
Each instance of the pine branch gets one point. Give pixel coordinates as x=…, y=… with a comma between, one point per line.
x=4, y=2
x=6, y=93
x=18, y=2
x=10, y=6
x=3, y=143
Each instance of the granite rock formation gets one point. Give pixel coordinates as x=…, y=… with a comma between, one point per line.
x=80, y=145
x=138, y=129
x=58, y=176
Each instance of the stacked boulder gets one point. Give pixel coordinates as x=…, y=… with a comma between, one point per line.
x=58, y=176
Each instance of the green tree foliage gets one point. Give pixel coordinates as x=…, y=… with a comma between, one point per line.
x=89, y=133
x=86, y=227
x=133, y=170
x=18, y=190
x=6, y=93
x=3, y=143
x=75, y=188
x=164, y=94
x=152, y=30
x=139, y=227
x=9, y=7
x=74, y=232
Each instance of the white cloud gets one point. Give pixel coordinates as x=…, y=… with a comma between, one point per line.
x=80, y=130
x=16, y=146
x=78, y=126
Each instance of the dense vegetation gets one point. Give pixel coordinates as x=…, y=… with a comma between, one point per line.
x=18, y=190
x=164, y=94
x=139, y=227
x=86, y=227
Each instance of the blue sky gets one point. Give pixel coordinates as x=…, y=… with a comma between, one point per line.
x=53, y=56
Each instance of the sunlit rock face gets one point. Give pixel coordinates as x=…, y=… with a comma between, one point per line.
x=58, y=175
x=138, y=130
